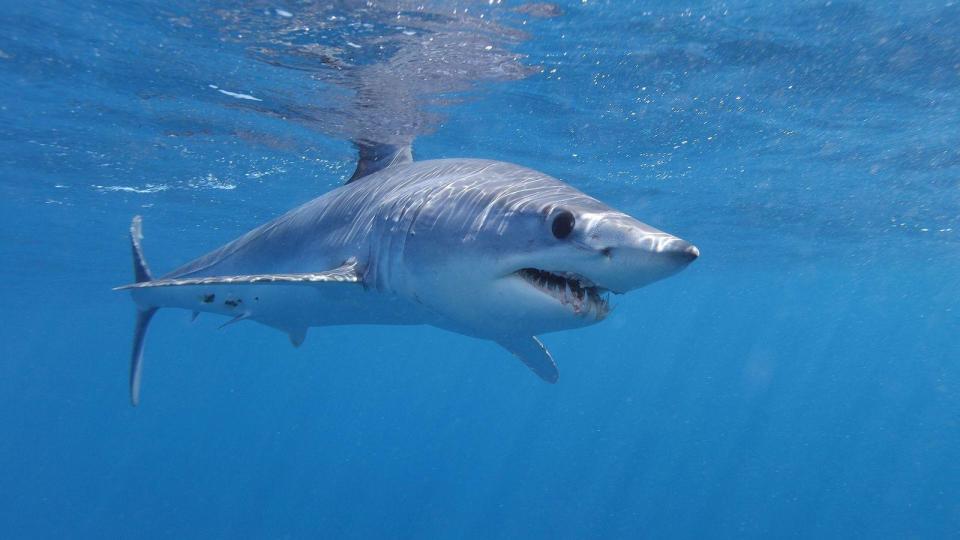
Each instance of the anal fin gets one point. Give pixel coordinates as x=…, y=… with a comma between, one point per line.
x=532, y=352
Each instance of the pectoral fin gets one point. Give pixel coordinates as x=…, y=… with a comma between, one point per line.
x=347, y=273
x=532, y=352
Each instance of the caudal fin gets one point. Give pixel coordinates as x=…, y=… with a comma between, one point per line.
x=141, y=273
x=140, y=270
x=136, y=356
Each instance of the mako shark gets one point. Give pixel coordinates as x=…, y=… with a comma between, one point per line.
x=484, y=248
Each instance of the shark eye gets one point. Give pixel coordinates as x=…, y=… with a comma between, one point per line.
x=563, y=224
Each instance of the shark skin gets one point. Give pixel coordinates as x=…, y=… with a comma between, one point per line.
x=484, y=248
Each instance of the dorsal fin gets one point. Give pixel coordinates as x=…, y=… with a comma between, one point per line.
x=373, y=156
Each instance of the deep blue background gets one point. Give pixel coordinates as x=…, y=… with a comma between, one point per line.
x=799, y=380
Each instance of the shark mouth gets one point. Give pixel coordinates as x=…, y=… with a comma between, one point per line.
x=571, y=290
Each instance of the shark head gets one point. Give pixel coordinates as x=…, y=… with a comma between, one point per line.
x=583, y=254
x=531, y=255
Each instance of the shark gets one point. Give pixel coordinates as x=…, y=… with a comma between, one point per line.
x=484, y=248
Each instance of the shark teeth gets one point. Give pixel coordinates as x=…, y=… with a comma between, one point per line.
x=573, y=290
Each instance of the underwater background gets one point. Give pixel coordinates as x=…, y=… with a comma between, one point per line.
x=800, y=380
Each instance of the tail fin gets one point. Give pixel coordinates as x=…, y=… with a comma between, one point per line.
x=140, y=270
x=136, y=357
x=141, y=273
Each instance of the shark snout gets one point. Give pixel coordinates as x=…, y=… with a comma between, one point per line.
x=637, y=254
x=674, y=250
x=684, y=252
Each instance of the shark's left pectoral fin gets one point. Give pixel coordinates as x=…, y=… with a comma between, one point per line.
x=532, y=352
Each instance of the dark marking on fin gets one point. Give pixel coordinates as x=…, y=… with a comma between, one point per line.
x=208, y=298
x=231, y=302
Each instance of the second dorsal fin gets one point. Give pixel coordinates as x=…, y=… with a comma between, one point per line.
x=372, y=157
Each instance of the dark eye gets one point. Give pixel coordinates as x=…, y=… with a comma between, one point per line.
x=563, y=224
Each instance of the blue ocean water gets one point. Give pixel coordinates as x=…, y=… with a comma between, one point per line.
x=800, y=380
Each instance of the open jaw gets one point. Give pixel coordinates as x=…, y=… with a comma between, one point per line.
x=570, y=289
